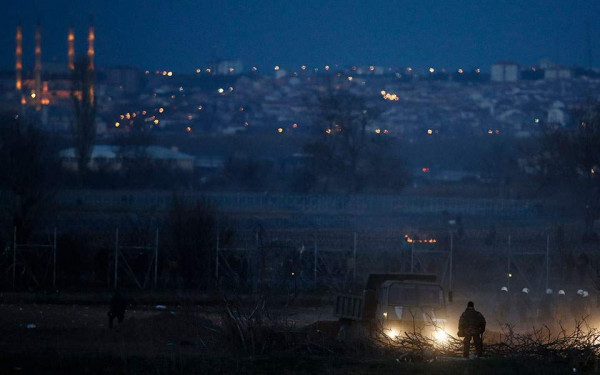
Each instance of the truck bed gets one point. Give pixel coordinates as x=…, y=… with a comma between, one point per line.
x=349, y=306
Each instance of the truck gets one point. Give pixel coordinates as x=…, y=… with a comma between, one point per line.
x=393, y=304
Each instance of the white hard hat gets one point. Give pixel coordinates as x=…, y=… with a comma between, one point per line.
x=504, y=289
x=561, y=292
x=525, y=290
x=580, y=292
x=585, y=293
x=549, y=291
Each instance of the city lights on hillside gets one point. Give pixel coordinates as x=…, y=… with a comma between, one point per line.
x=276, y=68
x=431, y=70
x=460, y=71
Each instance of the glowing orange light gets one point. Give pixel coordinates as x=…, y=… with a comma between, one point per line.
x=408, y=239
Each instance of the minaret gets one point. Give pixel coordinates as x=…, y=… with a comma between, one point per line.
x=90, y=51
x=19, y=58
x=71, y=48
x=90, y=56
x=37, y=71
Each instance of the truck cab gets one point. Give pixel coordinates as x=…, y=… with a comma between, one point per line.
x=398, y=303
x=410, y=306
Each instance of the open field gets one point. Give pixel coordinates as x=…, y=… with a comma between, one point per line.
x=191, y=338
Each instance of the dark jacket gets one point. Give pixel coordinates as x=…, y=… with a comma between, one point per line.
x=118, y=304
x=471, y=322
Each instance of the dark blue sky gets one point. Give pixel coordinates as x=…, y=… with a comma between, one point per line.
x=180, y=35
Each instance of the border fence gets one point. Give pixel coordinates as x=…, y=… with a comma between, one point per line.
x=308, y=259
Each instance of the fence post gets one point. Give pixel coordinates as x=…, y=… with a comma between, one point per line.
x=316, y=252
x=54, y=260
x=508, y=274
x=217, y=261
x=116, y=256
x=547, y=259
x=156, y=260
x=14, y=275
x=451, y=266
x=412, y=254
x=354, y=260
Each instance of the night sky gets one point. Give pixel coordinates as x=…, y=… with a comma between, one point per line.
x=182, y=35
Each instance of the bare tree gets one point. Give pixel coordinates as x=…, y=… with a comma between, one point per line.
x=341, y=119
x=84, y=108
x=28, y=170
x=345, y=153
x=567, y=160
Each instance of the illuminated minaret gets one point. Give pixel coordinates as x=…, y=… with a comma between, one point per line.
x=90, y=51
x=19, y=58
x=71, y=48
x=90, y=56
x=37, y=70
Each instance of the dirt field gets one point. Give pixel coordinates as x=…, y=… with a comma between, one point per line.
x=74, y=338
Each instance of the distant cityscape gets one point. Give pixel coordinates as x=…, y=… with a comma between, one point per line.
x=230, y=98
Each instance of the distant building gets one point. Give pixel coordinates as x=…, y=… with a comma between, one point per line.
x=109, y=157
x=557, y=114
x=228, y=67
x=128, y=79
x=505, y=71
x=558, y=72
